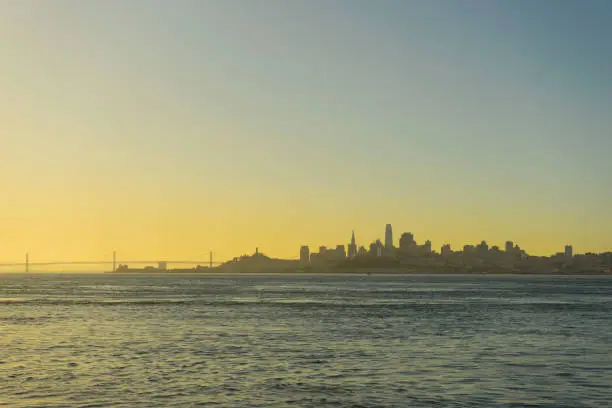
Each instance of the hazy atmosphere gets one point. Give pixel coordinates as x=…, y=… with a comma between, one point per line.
x=305, y=203
x=163, y=128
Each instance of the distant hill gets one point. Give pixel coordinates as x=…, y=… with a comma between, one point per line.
x=258, y=262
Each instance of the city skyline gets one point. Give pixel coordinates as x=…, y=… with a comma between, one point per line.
x=353, y=248
x=408, y=250
x=167, y=129
x=390, y=244
x=412, y=256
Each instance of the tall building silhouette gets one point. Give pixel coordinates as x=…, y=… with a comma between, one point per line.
x=304, y=255
x=388, y=237
x=352, y=248
x=375, y=248
x=406, y=241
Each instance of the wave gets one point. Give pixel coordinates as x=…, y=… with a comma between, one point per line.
x=372, y=304
x=13, y=300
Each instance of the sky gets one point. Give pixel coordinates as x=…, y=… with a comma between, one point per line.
x=165, y=129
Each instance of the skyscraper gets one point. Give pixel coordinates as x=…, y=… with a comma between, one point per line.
x=406, y=241
x=374, y=248
x=304, y=255
x=352, y=248
x=388, y=237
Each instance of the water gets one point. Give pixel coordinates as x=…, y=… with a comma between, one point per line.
x=305, y=341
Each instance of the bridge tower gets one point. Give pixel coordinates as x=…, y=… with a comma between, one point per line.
x=27, y=263
x=114, y=261
x=211, y=259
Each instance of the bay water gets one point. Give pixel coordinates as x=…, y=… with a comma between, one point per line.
x=110, y=340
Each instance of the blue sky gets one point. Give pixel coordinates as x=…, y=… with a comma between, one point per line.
x=458, y=120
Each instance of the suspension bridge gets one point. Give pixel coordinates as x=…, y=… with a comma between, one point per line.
x=28, y=263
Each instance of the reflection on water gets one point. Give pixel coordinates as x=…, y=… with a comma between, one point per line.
x=312, y=341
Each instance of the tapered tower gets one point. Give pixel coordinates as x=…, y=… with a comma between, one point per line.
x=352, y=247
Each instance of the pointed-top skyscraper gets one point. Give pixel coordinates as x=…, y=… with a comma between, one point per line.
x=352, y=247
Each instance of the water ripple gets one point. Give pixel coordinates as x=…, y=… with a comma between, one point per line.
x=276, y=341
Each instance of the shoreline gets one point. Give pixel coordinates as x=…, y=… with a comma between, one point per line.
x=368, y=272
x=319, y=272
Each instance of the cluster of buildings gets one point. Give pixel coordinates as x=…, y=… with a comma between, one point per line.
x=407, y=247
x=410, y=254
